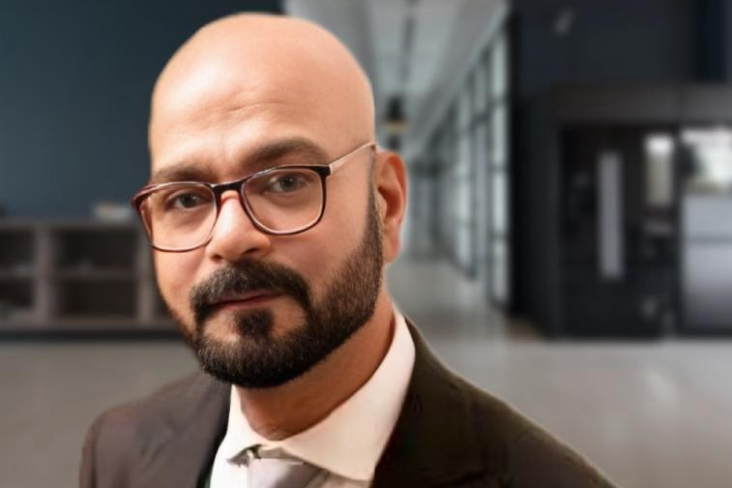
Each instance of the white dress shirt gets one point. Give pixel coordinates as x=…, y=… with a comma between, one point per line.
x=348, y=443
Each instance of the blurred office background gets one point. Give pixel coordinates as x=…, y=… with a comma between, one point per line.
x=569, y=238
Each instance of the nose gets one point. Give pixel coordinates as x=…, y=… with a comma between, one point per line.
x=234, y=235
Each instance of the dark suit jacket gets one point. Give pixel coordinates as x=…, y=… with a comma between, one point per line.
x=449, y=434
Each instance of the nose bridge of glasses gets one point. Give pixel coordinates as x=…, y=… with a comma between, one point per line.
x=221, y=188
x=237, y=187
x=234, y=230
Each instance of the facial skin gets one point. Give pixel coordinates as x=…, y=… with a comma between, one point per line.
x=249, y=92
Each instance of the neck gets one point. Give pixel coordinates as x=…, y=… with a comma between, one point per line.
x=283, y=411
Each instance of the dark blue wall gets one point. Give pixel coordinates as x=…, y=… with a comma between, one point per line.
x=75, y=82
x=611, y=41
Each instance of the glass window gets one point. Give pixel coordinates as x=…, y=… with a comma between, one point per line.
x=499, y=202
x=480, y=175
x=711, y=159
x=499, y=67
x=500, y=283
x=499, y=140
x=462, y=207
x=465, y=109
x=464, y=247
x=463, y=161
x=480, y=89
x=659, y=158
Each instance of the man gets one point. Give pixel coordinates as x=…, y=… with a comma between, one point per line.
x=272, y=214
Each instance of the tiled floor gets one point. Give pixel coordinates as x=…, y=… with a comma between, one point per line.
x=651, y=415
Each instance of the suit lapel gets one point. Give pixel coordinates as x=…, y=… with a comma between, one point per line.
x=182, y=440
x=432, y=443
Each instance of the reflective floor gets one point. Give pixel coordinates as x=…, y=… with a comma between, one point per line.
x=651, y=415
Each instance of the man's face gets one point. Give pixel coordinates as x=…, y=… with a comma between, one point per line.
x=259, y=309
x=260, y=358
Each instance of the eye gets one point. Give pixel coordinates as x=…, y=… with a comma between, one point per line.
x=288, y=182
x=186, y=199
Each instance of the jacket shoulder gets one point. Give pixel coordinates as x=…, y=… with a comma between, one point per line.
x=116, y=439
x=529, y=456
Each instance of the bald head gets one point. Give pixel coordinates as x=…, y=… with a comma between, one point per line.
x=272, y=68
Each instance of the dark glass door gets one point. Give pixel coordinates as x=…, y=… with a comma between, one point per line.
x=618, y=231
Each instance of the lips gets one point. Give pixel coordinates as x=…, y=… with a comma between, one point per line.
x=247, y=299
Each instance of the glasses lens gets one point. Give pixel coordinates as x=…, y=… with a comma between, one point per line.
x=285, y=199
x=179, y=216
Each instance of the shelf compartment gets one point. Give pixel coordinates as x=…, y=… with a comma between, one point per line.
x=94, y=275
x=17, y=251
x=98, y=300
x=96, y=250
x=76, y=276
x=16, y=301
x=111, y=323
x=15, y=276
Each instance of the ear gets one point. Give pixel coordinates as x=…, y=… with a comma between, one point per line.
x=390, y=180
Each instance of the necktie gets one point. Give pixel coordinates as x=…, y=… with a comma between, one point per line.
x=273, y=468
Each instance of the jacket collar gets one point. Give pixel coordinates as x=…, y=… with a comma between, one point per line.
x=181, y=438
x=433, y=442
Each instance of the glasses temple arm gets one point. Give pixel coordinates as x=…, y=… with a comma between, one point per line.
x=335, y=165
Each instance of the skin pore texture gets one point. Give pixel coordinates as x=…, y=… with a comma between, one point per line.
x=249, y=92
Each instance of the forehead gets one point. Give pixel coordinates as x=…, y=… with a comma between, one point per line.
x=215, y=117
x=224, y=140
x=271, y=153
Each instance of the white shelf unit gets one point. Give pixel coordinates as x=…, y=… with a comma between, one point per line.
x=76, y=276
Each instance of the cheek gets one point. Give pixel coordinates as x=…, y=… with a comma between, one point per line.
x=319, y=254
x=311, y=256
x=176, y=274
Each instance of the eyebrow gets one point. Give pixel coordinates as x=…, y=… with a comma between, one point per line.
x=260, y=158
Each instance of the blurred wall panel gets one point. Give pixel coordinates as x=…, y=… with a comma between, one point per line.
x=590, y=41
x=74, y=93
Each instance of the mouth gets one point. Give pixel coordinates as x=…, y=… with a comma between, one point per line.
x=248, y=300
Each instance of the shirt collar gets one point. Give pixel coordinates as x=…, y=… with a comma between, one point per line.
x=351, y=439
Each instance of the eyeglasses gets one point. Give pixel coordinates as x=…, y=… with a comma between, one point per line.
x=283, y=200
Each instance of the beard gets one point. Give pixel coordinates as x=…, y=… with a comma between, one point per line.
x=259, y=358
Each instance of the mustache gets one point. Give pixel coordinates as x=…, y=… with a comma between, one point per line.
x=244, y=277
